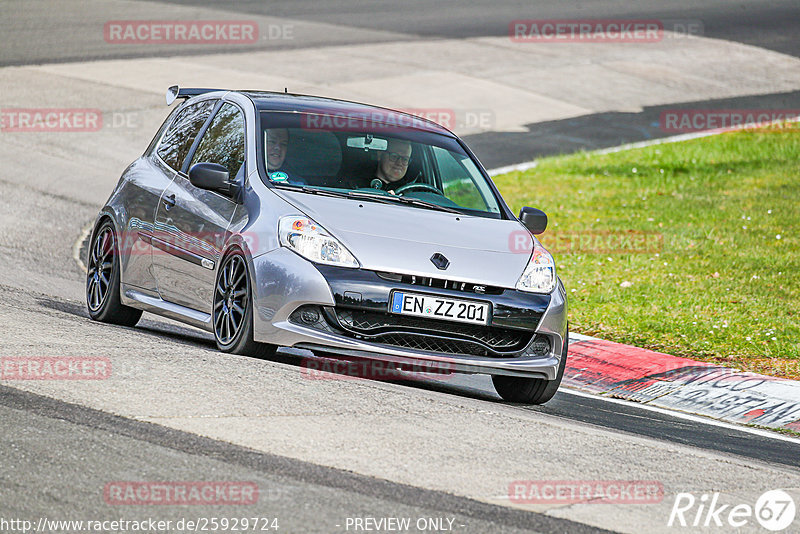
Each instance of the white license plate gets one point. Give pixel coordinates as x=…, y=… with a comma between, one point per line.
x=464, y=311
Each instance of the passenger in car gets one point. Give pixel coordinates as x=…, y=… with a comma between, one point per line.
x=392, y=166
x=277, y=146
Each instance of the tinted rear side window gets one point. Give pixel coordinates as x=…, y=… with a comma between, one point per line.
x=223, y=142
x=180, y=135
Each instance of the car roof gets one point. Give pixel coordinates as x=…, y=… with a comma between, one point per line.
x=288, y=102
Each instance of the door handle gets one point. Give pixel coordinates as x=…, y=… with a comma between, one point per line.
x=169, y=201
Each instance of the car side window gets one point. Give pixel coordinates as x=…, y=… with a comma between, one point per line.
x=179, y=137
x=223, y=142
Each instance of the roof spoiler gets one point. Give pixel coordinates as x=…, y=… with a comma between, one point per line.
x=176, y=92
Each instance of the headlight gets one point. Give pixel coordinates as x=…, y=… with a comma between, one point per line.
x=540, y=274
x=311, y=241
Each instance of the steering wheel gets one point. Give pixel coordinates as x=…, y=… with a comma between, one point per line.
x=427, y=187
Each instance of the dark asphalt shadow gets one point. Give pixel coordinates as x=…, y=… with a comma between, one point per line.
x=773, y=25
x=605, y=130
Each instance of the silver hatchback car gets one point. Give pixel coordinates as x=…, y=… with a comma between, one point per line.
x=352, y=231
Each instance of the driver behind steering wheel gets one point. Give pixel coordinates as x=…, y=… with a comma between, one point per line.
x=392, y=166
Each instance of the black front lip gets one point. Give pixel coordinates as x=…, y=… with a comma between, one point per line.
x=364, y=290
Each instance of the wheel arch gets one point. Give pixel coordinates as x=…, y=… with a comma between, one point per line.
x=235, y=243
x=101, y=218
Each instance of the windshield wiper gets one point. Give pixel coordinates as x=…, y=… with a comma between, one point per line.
x=311, y=190
x=385, y=199
x=392, y=199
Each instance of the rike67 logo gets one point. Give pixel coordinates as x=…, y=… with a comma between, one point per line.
x=774, y=510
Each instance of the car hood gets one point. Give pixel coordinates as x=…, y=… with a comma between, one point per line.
x=402, y=239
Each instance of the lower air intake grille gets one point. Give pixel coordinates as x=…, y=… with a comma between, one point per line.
x=430, y=334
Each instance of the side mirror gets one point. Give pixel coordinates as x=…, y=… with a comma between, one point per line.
x=211, y=176
x=533, y=219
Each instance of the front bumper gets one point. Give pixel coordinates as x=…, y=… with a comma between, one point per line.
x=283, y=282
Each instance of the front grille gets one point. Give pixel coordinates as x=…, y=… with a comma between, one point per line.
x=429, y=334
x=433, y=344
x=441, y=283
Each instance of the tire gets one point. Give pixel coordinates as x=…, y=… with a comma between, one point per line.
x=232, y=313
x=103, y=280
x=531, y=390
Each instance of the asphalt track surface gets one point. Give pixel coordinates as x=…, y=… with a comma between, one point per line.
x=57, y=451
x=625, y=417
x=84, y=438
x=34, y=33
x=766, y=24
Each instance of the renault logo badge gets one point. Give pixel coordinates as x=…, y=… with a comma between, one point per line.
x=440, y=261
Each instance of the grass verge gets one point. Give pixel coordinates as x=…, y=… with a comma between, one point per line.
x=687, y=248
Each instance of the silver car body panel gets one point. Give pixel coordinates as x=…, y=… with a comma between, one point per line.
x=383, y=237
x=130, y=296
x=391, y=238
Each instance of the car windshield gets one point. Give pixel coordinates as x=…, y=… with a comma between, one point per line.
x=372, y=160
